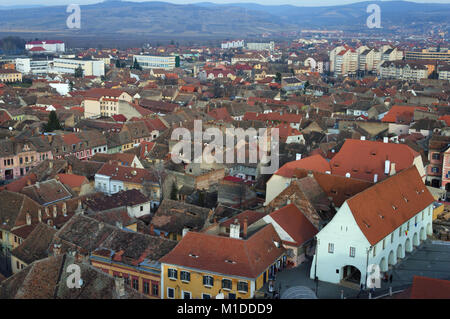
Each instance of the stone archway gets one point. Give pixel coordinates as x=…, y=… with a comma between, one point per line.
x=400, y=252
x=408, y=245
x=416, y=241
x=351, y=274
x=391, y=258
x=423, y=235
x=383, y=264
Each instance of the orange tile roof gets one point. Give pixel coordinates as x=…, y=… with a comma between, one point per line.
x=72, y=180
x=295, y=223
x=373, y=209
x=313, y=163
x=401, y=114
x=430, y=288
x=446, y=119
x=364, y=159
x=225, y=255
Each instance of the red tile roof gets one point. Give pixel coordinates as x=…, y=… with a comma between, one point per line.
x=72, y=180
x=225, y=255
x=373, y=209
x=364, y=159
x=314, y=163
x=446, y=119
x=126, y=174
x=220, y=114
x=430, y=288
x=295, y=223
x=401, y=114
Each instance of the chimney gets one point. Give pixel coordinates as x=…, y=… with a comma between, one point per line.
x=69, y=169
x=28, y=182
x=50, y=164
x=28, y=216
x=101, y=225
x=310, y=173
x=152, y=229
x=385, y=140
x=363, y=138
x=245, y=227
x=185, y=231
x=387, y=166
x=40, y=215
x=375, y=178
x=64, y=209
x=392, y=170
x=347, y=175
x=55, y=211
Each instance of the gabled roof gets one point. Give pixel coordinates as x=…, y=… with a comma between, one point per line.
x=313, y=163
x=294, y=222
x=225, y=255
x=401, y=114
x=382, y=208
x=363, y=159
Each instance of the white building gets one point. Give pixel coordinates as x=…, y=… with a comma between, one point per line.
x=233, y=44
x=375, y=227
x=155, y=61
x=90, y=67
x=261, y=46
x=48, y=46
x=28, y=66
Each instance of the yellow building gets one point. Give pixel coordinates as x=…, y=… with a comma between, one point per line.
x=10, y=76
x=202, y=266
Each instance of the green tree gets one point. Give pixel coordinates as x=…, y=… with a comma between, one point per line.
x=118, y=65
x=79, y=72
x=174, y=192
x=177, y=61
x=53, y=123
x=136, y=65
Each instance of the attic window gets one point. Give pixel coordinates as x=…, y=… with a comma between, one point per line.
x=394, y=207
x=193, y=255
x=366, y=224
x=333, y=191
x=406, y=200
x=373, y=153
x=381, y=216
x=230, y=261
x=336, y=165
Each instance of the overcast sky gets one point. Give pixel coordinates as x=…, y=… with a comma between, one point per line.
x=267, y=2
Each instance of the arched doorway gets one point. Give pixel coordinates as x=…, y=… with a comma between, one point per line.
x=400, y=253
x=391, y=259
x=416, y=240
x=383, y=265
x=408, y=245
x=429, y=229
x=423, y=236
x=351, y=274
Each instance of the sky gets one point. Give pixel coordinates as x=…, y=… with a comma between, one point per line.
x=266, y=2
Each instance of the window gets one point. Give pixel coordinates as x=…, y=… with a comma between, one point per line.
x=172, y=273
x=436, y=156
x=407, y=226
x=206, y=296
x=242, y=286
x=352, y=251
x=186, y=295
x=185, y=276
x=142, y=208
x=208, y=281
x=422, y=215
x=415, y=221
x=170, y=293
x=146, y=287
x=17, y=265
x=435, y=169
x=226, y=284
x=155, y=289
x=331, y=248
x=400, y=232
x=127, y=281
x=384, y=241
x=135, y=284
x=374, y=250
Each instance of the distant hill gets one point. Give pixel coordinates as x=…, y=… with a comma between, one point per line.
x=208, y=19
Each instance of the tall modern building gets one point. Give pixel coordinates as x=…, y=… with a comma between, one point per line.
x=261, y=46
x=49, y=46
x=156, y=62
